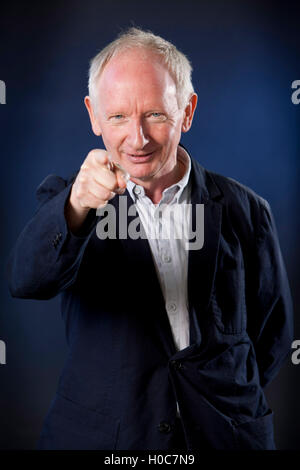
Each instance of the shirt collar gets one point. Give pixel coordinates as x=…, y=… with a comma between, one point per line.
x=136, y=190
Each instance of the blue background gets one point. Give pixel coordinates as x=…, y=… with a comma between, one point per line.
x=245, y=56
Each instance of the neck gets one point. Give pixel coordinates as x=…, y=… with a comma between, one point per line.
x=155, y=188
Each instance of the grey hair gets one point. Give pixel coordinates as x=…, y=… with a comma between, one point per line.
x=176, y=62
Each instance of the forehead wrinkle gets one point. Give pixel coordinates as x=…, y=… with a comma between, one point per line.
x=126, y=75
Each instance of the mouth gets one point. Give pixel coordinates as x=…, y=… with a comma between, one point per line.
x=140, y=158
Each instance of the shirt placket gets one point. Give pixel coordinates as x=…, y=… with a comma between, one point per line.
x=168, y=271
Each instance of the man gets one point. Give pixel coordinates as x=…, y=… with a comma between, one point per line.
x=169, y=347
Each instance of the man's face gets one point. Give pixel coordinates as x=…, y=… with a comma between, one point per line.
x=137, y=115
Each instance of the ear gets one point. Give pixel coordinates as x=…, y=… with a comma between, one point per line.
x=189, y=113
x=93, y=118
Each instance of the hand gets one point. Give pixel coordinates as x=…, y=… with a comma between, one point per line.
x=98, y=181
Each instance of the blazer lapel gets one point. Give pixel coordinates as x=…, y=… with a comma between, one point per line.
x=140, y=260
x=202, y=262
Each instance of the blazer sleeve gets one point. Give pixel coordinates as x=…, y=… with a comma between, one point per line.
x=270, y=310
x=47, y=256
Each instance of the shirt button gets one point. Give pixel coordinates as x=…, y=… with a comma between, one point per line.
x=167, y=258
x=172, y=307
x=137, y=190
x=164, y=427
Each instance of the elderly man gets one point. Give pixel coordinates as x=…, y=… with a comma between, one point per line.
x=169, y=347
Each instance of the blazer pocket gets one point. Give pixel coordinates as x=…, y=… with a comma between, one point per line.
x=257, y=434
x=219, y=431
x=212, y=429
x=72, y=426
x=228, y=301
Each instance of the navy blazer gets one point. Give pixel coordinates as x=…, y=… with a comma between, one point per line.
x=122, y=375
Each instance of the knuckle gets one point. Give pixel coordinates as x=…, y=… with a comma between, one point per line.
x=98, y=156
x=112, y=194
x=110, y=187
x=92, y=152
x=84, y=171
x=106, y=194
x=82, y=179
x=84, y=166
x=80, y=193
x=101, y=205
x=83, y=203
x=91, y=158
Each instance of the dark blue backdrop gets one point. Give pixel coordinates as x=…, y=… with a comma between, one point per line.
x=245, y=55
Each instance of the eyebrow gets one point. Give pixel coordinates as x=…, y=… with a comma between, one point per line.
x=117, y=111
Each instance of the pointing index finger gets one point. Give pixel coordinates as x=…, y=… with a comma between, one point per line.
x=118, y=169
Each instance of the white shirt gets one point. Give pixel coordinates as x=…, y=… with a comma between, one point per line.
x=169, y=253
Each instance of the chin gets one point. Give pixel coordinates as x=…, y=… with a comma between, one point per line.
x=142, y=177
x=140, y=173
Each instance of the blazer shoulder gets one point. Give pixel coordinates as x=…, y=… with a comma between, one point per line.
x=244, y=207
x=238, y=194
x=51, y=186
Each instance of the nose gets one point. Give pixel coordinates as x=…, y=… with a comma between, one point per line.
x=137, y=136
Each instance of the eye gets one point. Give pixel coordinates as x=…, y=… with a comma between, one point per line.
x=117, y=117
x=156, y=116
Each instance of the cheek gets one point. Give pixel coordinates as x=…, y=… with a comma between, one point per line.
x=163, y=134
x=172, y=135
x=112, y=137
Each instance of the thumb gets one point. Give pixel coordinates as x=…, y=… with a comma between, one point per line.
x=121, y=174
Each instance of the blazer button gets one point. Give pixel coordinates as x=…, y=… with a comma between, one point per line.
x=164, y=427
x=177, y=365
